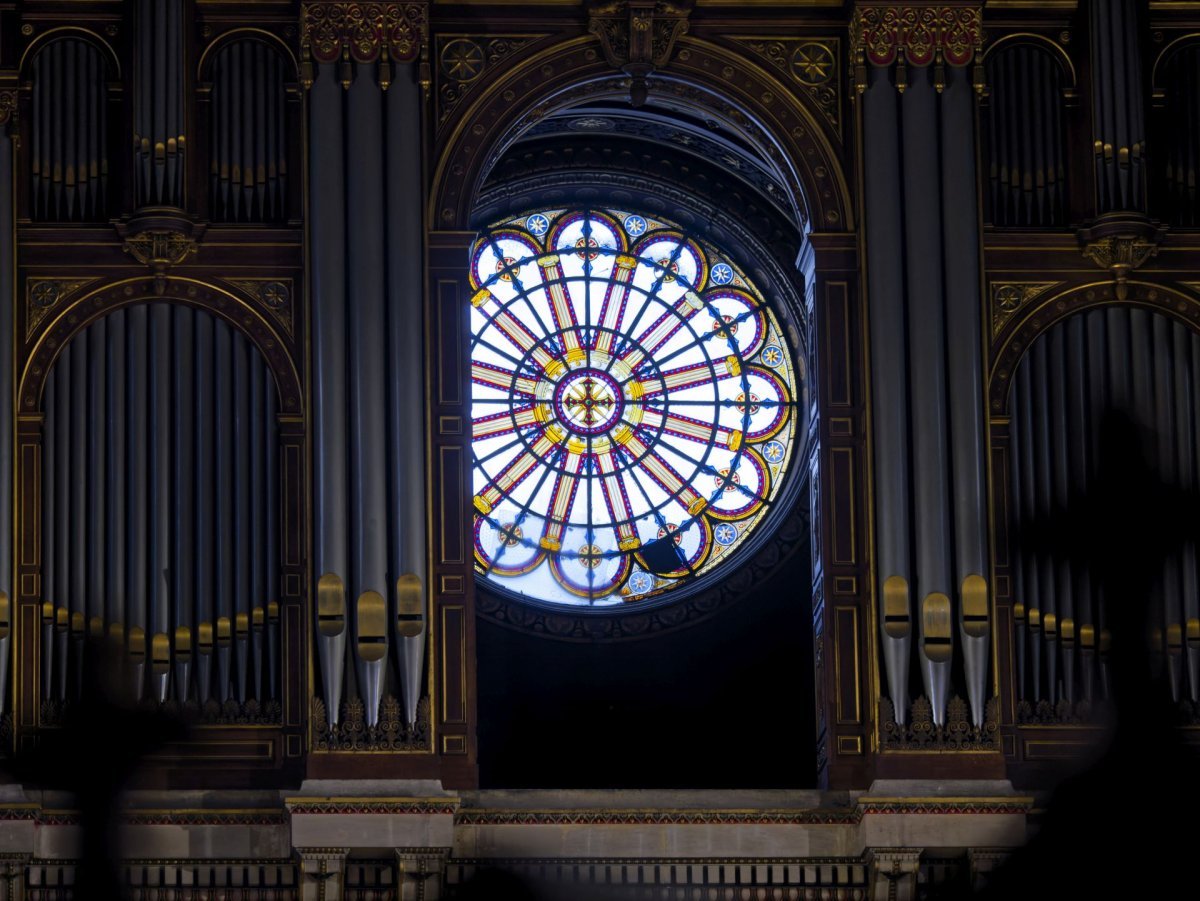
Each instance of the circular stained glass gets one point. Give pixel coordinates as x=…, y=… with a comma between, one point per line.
x=633, y=405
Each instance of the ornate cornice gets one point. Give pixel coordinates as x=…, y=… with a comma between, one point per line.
x=637, y=36
x=915, y=34
x=363, y=33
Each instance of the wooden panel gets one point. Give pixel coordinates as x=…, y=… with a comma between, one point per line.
x=846, y=664
x=837, y=359
x=293, y=491
x=454, y=661
x=842, y=506
x=450, y=342
x=29, y=515
x=452, y=505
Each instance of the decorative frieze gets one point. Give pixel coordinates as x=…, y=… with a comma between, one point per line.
x=363, y=33
x=919, y=33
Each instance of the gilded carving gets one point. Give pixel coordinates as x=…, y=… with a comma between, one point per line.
x=275, y=295
x=160, y=249
x=811, y=63
x=8, y=106
x=1009, y=297
x=43, y=294
x=462, y=60
x=1121, y=243
x=957, y=734
x=918, y=32
x=365, y=33
x=637, y=36
x=353, y=734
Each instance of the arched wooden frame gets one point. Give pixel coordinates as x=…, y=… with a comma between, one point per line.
x=75, y=315
x=201, y=123
x=1180, y=43
x=714, y=80
x=1026, y=327
x=1055, y=49
x=734, y=88
x=22, y=162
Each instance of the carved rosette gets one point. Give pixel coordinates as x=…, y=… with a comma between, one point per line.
x=42, y=295
x=921, y=33
x=365, y=33
x=1009, y=298
x=464, y=61
x=273, y=295
x=812, y=64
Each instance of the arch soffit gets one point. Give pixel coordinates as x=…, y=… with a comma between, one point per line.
x=718, y=82
x=63, y=32
x=1183, y=42
x=1041, y=317
x=93, y=304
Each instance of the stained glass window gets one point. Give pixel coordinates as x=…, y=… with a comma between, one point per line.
x=633, y=407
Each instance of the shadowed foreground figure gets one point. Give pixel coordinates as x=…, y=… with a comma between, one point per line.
x=1130, y=815
x=100, y=747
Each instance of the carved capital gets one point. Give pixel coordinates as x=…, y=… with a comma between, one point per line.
x=364, y=33
x=637, y=36
x=916, y=34
x=1121, y=243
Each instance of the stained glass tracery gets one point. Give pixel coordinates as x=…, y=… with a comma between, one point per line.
x=633, y=402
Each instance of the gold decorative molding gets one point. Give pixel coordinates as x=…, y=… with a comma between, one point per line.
x=274, y=295
x=1009, y=297
x=160, y=249
x=44, y=294
x=463, y=60
x=811, y=63
x=637, y=36
x=1121, y=243
x=916, y=34
x=363, y=33
x=8, y=106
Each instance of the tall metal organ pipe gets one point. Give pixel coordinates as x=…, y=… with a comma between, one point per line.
x=927, y=365
x=248, y=175
x=7, y=286
x=331, y=521
x=406, y=388
x=159, y=141
x=140, y=385
x=1022, y=123
x=369, y=431
x=69, y=133
x=1118, y=107
x=964, y=357
x=1147, y=365
x=889, y=380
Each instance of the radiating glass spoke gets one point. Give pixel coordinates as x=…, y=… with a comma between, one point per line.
x=632, y=421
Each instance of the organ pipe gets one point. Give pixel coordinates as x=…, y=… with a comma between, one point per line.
x=248, y=177
x=1130, y=359
x=143, y=385
x=1181, y=81
x=159, y=140
x=926, y=337
x=1117, y=104
x=889, y=386
x=330, y=466
x=1026, y=175
x=965, y=386
x=369, y=519
x=406, y=384
x=7, y=284
x=68, y=133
